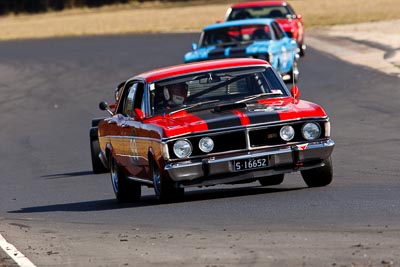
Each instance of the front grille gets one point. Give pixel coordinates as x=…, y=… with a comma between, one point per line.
x=265, y=137
x=270, y=136
x=223, y=142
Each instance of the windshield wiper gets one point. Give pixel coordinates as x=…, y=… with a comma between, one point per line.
x=257, y=96
x=192, y=106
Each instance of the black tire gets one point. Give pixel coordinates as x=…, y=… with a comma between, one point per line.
x=97, y=165
x=125, y=190
x=321, y=176
x=302, y=50
x=164, y=188
x=272, y=180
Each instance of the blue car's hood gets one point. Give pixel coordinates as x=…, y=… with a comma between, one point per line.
x=247, y=49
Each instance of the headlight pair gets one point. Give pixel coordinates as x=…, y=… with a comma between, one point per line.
x=309, y=131
x=183, y=148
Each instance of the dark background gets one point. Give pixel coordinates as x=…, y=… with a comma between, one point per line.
x=38, y=6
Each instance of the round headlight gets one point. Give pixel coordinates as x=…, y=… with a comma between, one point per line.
x=311, y=131
x=206, y=144
x=182, y=148
x=287, y=133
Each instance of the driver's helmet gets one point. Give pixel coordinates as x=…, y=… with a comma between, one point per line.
x=176, y=93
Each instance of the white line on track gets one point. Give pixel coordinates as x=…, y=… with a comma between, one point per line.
x=17, y=256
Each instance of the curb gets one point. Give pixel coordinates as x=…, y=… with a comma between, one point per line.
x=376, y=55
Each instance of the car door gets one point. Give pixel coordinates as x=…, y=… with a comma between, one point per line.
x=125, y=143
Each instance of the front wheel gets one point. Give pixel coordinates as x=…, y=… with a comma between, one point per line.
x=164, y=188
x=302, y=48
x=272, y=180
x=321, y=176
x=125, y=190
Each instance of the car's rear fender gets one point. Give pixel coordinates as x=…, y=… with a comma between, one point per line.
x=95, y=121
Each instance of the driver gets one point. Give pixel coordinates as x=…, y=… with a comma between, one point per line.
x=176, y=94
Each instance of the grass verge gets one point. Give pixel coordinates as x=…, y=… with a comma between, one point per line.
x=179, y=17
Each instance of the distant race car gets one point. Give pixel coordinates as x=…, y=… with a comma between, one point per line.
x=252, y=38
x=290, y=21
x=214, y=122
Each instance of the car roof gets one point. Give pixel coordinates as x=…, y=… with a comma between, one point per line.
x=259, y=3
x=171, y=71
x=242, y=22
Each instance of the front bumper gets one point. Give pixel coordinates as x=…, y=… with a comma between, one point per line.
x=218, y=170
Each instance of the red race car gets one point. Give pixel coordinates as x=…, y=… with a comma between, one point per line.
x=290, y=22
x=213, y=122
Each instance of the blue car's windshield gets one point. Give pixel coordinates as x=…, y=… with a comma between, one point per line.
x=234, y=34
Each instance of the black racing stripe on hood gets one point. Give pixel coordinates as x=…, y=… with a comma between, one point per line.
x=216, y=120
x=232, y=51
x=238, y=51
x=261, y=114
x=217, y=53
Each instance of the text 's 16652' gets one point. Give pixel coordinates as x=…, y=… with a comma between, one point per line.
x=247, y=164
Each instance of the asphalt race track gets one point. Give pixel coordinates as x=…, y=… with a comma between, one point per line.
x=57, y=213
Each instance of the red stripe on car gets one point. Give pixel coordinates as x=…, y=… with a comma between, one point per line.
x=244, y=119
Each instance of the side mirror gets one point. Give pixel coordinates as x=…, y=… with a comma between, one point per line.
x=298, y=16
x=104, y=106
x=138, y=114
x=295, y=92
x=194, y=46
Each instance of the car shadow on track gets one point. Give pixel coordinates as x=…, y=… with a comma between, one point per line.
x=220, y=193
x=67, y=175
x=150, y=200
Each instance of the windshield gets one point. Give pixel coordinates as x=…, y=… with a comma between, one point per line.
x=261, y=12
x=234, y=34
x=202, y=90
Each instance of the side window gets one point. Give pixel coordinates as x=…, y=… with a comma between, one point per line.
x=128, y=105
x=277, y=31
x=134, y=98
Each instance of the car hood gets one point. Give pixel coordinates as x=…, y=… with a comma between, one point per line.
x=237, y=115
x=226, y=51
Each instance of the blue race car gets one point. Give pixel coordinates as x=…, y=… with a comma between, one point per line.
x=251, y=38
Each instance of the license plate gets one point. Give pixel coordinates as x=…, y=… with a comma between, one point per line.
x=250, y=164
